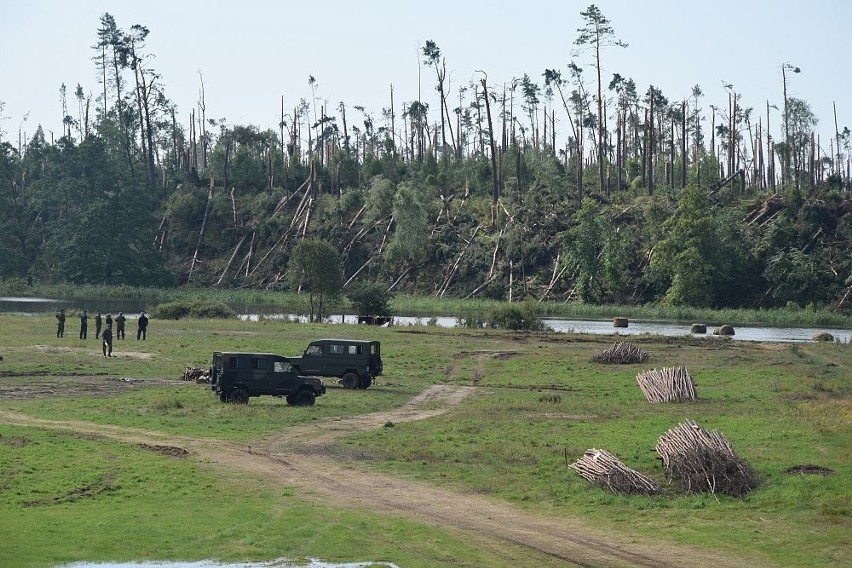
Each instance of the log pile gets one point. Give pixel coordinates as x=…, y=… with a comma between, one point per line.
x=603, y=469
x=621, y=353
x=669, y=384
x=704, y=461
x=197, y=374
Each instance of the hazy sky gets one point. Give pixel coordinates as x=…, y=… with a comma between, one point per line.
x=251, y=53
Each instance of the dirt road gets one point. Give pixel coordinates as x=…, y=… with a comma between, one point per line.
x=297, y=458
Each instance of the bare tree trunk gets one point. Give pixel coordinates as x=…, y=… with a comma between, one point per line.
x=683, y=146
x=495, y=190
x=201, y=232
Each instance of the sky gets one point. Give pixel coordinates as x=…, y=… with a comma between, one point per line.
x=250, y=53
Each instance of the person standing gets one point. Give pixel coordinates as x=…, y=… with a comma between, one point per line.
x=60, y=323
x=84, y=325
x=119, y=325
x=107, y=341
x=109, y=320
x=98, y=321
x=142, y=330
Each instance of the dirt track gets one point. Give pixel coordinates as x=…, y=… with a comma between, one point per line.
x=296, y=458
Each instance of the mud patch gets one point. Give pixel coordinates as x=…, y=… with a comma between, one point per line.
x=103, y=484
x=33, y=385
x=809, y=469
x=172, y=451
x=15, y=441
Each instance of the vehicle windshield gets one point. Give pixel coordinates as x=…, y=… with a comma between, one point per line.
x=313, y=350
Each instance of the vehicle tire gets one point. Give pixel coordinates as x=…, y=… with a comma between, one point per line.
x=238, y=395
x=305, y=398
x=291, y=399
x=223, y=397
x=350, y=380
x=365, y=383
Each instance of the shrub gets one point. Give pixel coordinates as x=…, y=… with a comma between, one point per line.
x=195, y=308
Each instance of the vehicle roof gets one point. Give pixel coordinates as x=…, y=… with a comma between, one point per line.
x=346, y=340
x=248, y=353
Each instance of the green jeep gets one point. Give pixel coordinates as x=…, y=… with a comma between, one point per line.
x=356, y=362
x=237, y=376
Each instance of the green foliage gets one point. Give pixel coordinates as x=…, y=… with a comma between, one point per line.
x=371, y=299
x=408, y=244
x=194, y=308
x=315, y=267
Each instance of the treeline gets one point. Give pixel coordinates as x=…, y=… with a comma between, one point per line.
x=643, y=201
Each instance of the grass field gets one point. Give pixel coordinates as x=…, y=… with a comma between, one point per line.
x=539, y=403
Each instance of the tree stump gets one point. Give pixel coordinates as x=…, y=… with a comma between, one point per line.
x=698, y=328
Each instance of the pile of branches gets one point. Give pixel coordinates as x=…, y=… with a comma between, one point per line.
x=605, y=470
x=704, y=461
x=669, y=384
x=621, y=353
x=197, y=374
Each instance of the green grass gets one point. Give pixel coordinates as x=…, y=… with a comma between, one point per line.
x=540, y=401
x=68, y=498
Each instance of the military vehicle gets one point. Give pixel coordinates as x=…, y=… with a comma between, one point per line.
x=354, y=361
x=237, y=376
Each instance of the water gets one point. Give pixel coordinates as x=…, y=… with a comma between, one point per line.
x=254, y=312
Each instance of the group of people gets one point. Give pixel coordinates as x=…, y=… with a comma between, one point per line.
x=106, y=336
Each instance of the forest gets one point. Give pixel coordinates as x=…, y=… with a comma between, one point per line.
x=649, y=198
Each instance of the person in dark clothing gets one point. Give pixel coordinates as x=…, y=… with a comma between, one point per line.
x=107, y=341
x=60, y=323
x=109, y=320
x=119, y=325
x=84, y=325
x=98, y=322
x=142, y=330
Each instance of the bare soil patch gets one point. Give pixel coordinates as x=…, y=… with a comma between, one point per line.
x=43, y=386
x=810, y=469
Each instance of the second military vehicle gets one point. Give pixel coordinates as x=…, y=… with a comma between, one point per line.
x=237, y=376
x=355, y=362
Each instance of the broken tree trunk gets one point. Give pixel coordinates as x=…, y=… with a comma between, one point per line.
x=201, y=232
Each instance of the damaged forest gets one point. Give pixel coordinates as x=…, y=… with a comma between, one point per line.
x=560, y=185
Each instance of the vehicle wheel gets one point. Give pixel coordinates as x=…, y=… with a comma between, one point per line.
x=291, y=399
x=223, y=397
x=365, y=383
x=350, y=380
x=305, y=398
x=238, y=395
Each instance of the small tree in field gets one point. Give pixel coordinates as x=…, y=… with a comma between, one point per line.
x=315, y=268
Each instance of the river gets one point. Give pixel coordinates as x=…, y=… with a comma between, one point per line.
x=253, y=312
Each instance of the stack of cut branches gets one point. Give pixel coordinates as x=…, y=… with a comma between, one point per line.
x=605, y=470
x=197, y=374
x=669, y=384
x=621, y=353
x=704, y=461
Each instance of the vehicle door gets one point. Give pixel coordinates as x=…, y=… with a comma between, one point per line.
x=311, y=362
x=284, y=378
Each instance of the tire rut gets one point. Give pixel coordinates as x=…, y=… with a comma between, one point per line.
x=324, y=479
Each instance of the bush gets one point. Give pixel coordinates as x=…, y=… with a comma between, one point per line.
x=196, y=308
x=371, y=299
x=525, y=317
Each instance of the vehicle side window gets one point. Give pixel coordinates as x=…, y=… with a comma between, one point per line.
x=354, y=349
x=281, y=367
x=335, y=349
x=238, y=362
x=259, y=363
x=313, y=350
